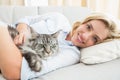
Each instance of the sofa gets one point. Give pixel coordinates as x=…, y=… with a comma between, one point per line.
x=104, y=71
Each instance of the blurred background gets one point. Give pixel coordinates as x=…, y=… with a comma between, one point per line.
x=109, y=6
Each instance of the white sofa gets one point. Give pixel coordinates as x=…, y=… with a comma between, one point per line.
x=104, y=71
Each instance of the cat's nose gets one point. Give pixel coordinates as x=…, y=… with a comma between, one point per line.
x=48, y=51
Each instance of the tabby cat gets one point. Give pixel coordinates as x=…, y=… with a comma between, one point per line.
x=37, y=47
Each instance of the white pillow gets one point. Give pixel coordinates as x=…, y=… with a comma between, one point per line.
x=102, y=52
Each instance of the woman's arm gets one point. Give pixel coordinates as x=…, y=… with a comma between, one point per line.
x=46, y=23
x=10, y=56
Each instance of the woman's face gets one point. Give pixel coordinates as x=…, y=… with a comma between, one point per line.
x=89, y=34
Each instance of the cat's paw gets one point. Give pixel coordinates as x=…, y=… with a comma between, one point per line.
x=34, y=61
x=35, y=65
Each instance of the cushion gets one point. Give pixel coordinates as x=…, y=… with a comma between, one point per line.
x=102, y=52
x=2, y=24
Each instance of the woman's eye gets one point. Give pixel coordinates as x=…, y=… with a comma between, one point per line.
x=95, y=40
x=88, y=27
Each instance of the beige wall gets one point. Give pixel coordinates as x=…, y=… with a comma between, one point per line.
x=11, y=2
x=109, y=6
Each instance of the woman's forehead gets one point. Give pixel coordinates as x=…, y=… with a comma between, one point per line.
x=99, y=29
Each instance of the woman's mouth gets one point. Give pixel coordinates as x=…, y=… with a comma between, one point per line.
x=79, y=38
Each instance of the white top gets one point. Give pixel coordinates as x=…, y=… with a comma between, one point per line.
x=68, y=54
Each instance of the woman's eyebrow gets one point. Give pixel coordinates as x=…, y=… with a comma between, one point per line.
x=93, y=30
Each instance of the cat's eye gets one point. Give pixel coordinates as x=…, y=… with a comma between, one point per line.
x=53, y=46
x=50, y=41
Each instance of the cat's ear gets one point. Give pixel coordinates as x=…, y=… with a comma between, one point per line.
x=34, y=34
x=55, y=35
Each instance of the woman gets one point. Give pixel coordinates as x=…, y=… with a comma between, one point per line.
x=92, y=30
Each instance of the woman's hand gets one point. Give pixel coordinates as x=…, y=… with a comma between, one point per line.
x=23, y=34
x=20, y=39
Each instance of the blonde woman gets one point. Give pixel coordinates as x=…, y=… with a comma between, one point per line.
x=94, y=29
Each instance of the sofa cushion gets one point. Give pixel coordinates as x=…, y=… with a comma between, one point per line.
x=6, y=14
x=105, y=71
x=101, y=52
x=78, y=13
x=21, y=11
x=42, y=10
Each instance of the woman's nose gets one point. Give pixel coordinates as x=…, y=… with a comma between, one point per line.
x=87, y=36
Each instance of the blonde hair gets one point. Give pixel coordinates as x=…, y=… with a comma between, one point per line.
x=109, y=21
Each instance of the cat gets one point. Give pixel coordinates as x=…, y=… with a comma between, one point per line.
x=37, y=47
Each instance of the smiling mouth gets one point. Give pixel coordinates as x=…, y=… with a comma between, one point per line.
x=79, y=38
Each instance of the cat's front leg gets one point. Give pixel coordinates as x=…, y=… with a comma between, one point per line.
x=33, y=60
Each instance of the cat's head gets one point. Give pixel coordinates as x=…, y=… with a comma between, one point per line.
x=48, y=44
